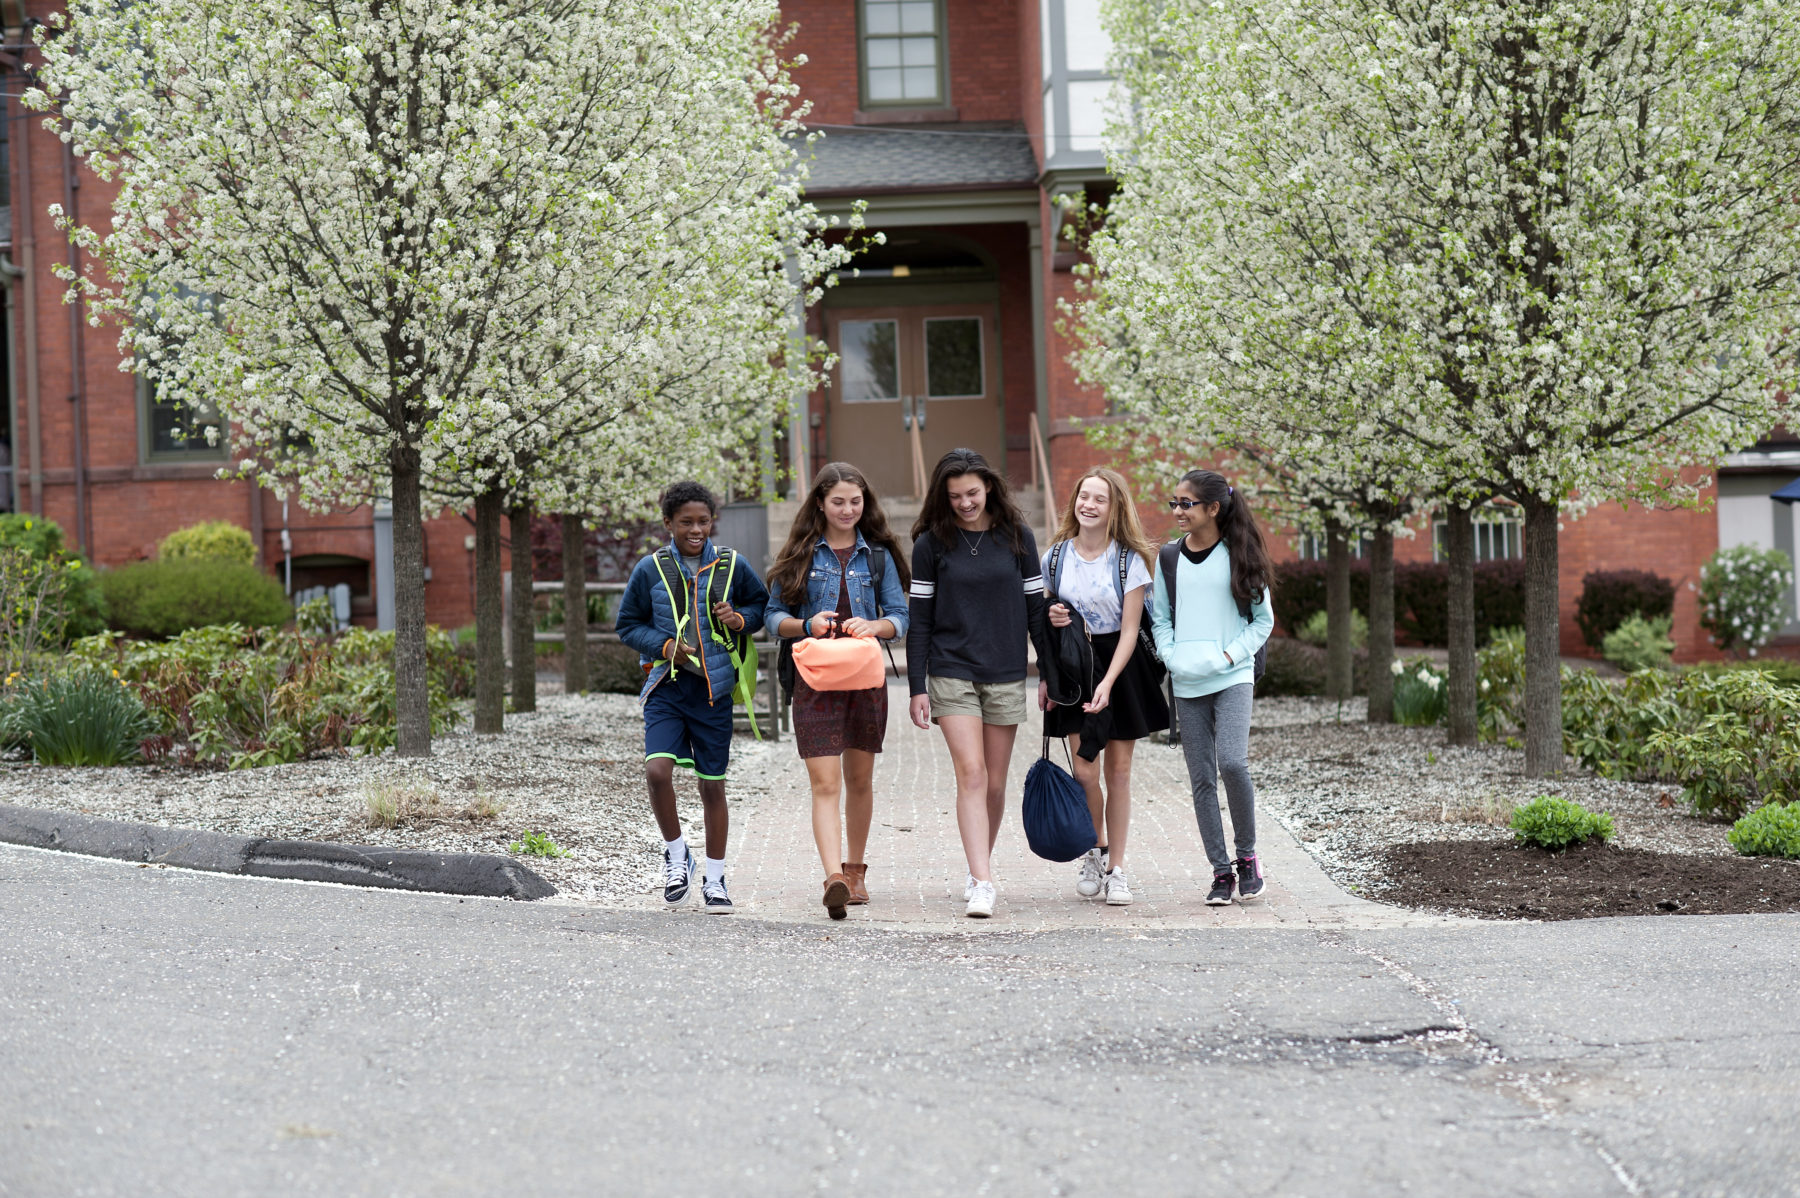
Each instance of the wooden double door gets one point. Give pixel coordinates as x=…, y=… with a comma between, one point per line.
x=912, y=383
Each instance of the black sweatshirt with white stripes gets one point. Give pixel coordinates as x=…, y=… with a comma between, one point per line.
x=972, y=606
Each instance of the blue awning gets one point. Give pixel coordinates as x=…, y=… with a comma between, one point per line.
x=1789, y=493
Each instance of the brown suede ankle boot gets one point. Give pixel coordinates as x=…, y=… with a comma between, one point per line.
x=837, y=893
x=857, y=874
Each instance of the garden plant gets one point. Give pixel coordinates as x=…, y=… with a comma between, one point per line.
x=1746, y=595
x=1550, y=822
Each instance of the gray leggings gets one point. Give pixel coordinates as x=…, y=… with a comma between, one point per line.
x=1215, y=739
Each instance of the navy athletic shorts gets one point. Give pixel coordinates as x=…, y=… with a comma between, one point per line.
x=681, y=725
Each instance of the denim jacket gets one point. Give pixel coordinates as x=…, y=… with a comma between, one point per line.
x=824, y=578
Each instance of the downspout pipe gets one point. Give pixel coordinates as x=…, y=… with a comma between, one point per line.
x=12, y=274
x=78, y=367
x=25, y=245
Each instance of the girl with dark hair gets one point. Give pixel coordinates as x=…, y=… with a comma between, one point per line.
x=1099, y=566
x=841, y=571
x=977, y=595
x=1210, y=617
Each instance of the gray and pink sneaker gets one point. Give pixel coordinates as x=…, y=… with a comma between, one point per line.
x=1249, y=878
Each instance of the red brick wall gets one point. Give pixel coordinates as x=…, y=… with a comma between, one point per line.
x=984, y=68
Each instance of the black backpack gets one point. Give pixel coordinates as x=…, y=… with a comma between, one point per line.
x=1167, y=558
x=784, y=659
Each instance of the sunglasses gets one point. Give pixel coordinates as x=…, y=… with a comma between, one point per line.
x=1184, y=504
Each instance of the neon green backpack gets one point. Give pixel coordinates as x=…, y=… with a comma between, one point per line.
x=737, y=644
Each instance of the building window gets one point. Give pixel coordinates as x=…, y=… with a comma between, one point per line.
x=953, y=365
x=1312, y=547
x=870, y=353
x=177, y=431
x=903, y=53
x=1496, y=538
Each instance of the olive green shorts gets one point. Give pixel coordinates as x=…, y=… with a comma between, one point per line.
x=1000, y=703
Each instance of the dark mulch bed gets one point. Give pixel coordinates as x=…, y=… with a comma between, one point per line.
x=1501, y=881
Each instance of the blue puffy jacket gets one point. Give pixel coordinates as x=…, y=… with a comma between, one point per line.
x=824, y=579
x=647, y=614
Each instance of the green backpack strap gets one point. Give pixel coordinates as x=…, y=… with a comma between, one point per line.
x=677, y=595
x=739, y=645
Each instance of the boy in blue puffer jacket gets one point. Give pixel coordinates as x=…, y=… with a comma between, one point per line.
x=688, y=610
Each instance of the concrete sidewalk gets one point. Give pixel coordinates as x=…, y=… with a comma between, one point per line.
x=916, y=865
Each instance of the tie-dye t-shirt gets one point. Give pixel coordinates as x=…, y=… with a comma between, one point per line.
x=1092, y=588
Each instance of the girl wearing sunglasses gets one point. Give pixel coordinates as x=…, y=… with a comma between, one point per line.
x=1218, y=575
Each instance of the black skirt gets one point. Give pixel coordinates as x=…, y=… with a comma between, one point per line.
x=1136, y=710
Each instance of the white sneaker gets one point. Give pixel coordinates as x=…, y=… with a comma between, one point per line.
x=1087, y=884
x=969, y=888
x=1118, y=891
x=981, y=901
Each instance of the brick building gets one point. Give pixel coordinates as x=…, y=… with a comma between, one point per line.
x=961, y=123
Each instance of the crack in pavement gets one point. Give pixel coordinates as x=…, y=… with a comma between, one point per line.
x=1508, y=1077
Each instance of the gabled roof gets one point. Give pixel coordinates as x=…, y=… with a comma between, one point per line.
x=865, y=161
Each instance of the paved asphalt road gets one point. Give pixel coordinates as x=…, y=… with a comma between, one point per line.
x=172, y=1033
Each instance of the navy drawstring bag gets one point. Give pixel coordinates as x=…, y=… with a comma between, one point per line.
x=1058, y=826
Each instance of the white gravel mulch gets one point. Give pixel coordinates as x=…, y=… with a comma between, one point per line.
x=572, y=770
x=1350, y=789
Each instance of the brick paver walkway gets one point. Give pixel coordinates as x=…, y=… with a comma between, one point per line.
x=916, y=866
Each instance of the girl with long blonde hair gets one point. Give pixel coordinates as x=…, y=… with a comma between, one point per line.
x=1099, y=565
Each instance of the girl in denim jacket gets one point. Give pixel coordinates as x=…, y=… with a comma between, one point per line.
x=841, y=570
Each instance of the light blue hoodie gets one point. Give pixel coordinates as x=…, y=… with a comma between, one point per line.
x=1210, y=627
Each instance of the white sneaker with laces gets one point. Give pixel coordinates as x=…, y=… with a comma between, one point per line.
x=968, y=887
x=981, y=901
x=1118, y=891
x=1087, y=883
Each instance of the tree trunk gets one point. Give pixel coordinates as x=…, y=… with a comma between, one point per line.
x=1459, y=550
x=490, y=659
x=1543, y=642
x=1381, y=628
x=524, y=624
x=1339, y=682
x=575, y=626
x=412, y=695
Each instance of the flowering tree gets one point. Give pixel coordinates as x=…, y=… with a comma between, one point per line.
x=1746, y=596
x=375, y=233
x=1566, y=230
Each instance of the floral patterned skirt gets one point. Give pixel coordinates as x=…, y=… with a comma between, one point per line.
x=828, y=722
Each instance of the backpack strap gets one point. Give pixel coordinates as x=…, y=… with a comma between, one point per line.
x=1056, y=556
x=1167, y=558
x=877, y=573
x=1124, y=570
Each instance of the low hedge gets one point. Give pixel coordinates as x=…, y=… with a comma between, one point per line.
x=1610, y=597
x=1296, y=668
x=162, y=598
x=1421, y=597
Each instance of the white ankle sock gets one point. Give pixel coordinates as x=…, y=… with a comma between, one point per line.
x=715, y=869
x=677, y=848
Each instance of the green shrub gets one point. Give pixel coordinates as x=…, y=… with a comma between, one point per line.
x=1779, y=670
x=75, y=599
x=1737, y=748
x=162, y=598
x=1554, y=823
x=1639, y=644
x=1500, y=684
x=537, y=844
x=1420, y=697
x=1295, y=668
x=81, y=717
x=240, y=697
x=1744, y=597
x=1610, y=597
x=1313, y=632
x=1769, y=831
x=213, y=540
